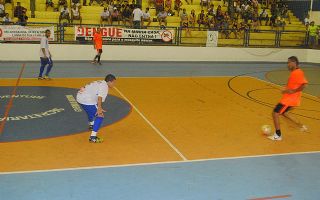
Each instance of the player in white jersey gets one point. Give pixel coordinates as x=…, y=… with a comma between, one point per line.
x=90, y=97
x=45, y=56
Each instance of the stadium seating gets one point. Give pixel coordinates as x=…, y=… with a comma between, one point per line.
x=91, y=15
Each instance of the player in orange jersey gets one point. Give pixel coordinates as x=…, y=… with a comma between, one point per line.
x=291, y=97
x=97, y=44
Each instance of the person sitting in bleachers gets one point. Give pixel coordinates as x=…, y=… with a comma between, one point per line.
x=192, y=19
x=2, y=9
x=19, y=10
x=49, y=3
x=211, y=11
x=255, y=22
x=184, y=22
x=167, y=7
x=212, y=25
x=22, y=19
x=177, y=6
x=264, y=17
x=159, y=6
x=285, y=13
x=146, y=18
x=162, y=18
x=75, y=2
x=126, y=13
x=235, y=29
x=115, y=15
x=105, y=16
x=225, y=25
x=202, y=19
x=6, y=19
x=75, y=14
x=62, y=3
x=64, y=14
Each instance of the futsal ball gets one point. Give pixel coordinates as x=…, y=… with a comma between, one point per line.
x=266, y=129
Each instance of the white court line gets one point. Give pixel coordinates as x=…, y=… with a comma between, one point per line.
x=159, y=163
x=152, y=126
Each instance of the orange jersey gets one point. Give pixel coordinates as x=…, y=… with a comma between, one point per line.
x=295, y=80
x=97, y=39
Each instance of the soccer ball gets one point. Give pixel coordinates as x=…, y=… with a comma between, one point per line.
x=266, y=129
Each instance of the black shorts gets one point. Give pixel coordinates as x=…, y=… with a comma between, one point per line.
x=99, y=50
x=280, y=108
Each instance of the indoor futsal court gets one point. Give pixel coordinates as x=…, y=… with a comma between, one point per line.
x=172, y=130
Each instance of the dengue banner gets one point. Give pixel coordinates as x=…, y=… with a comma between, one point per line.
x=212, y=39
x=124, y=35
x=23, y=33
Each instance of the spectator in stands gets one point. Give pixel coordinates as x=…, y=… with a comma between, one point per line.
x=19, y=10
x=285, y=13
x=126, y=15
x=22, y=19
x=235, y=29
x=212, y=24
x=237, y=8
x=159, y=6
x=280, y=23
x=2, y=9
x=75, y=13
x=137, y=16
x=105, y=16
x=192, y=19
x=98, y=2
x=167, y=7
x=76, y=2
x=6, y=19
x=255, y=22
x=146, y=18
x=204, y=3
x=64, y=14
x=177, y=6
x=202, y=19
x=115, y=15
x=49, y=3
x=211, y=11
x=225, y=25
x=184, y=22
x=264, y=17
x=313, y=32
x=162, y=18
x=62, y=3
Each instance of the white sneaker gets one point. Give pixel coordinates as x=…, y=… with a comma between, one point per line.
x=275, y=137
x=304, y=128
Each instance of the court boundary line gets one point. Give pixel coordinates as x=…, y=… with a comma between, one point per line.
x=159, y=163
x=10, y=103
x=152, y=126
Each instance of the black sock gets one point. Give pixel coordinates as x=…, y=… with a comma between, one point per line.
x=278, y=132
x=98, y=58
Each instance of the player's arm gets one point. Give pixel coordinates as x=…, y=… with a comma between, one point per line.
x=100, y=110
x=42, y=46
x=291, y=91
x=94, y=42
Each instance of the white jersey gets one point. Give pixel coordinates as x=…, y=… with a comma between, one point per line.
x=137, y=14
x=88, y=95
x=44, y=44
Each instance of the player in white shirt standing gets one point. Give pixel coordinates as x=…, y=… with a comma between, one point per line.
x=45, y=56
x=90, y=98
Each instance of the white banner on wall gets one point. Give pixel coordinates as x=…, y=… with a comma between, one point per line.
x=115, y=34
x=23, y=33
x=212, y=39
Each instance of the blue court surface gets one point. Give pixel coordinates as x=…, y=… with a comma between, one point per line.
x=268, y=177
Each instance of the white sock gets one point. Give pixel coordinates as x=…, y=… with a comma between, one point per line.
x=91, y=123
x=93, y=134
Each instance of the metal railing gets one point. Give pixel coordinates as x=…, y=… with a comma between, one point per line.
x=227, y=37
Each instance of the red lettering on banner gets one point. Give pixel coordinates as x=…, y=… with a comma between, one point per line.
x=119, y=32
x=104, y=32
x=89, y=31
x=80, y=31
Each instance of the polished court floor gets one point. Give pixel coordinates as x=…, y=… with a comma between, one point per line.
x=184, y=131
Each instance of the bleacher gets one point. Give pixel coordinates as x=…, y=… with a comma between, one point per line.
x=91, y=15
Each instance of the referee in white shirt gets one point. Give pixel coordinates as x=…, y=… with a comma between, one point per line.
x=90, y=98
x=45, y=56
